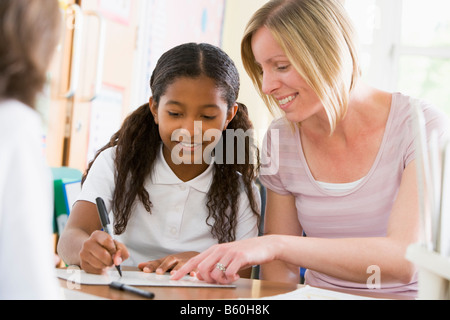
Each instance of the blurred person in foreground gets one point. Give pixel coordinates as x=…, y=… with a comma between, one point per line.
x=29, y=30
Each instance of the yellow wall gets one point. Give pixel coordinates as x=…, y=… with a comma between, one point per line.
x=238, y=13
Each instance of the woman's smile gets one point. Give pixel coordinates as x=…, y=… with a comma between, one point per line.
x=286, y=102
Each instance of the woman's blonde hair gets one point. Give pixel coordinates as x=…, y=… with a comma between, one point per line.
x=319, y=40
x=29, y=32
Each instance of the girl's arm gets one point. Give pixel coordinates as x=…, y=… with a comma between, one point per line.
x=84, y=245
x=83, y=221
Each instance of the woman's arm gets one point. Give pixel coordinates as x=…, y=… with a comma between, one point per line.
x=347, y=259
x=281, y=218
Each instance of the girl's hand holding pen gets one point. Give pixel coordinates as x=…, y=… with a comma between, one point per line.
x=100, y=252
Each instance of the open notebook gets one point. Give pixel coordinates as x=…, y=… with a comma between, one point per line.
x=132, y=278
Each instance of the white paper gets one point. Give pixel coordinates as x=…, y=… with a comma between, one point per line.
x=132, y=278
x=72, y=190
x=106, y=118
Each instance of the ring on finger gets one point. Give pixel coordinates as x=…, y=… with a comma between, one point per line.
x=221, y=267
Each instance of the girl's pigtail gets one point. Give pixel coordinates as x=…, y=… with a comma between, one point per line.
x=249, y=170
x=137, y=144
x=244, y=134
x=223, y=197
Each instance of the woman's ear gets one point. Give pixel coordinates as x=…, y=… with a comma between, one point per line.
x=231, y=114
x=153, y=109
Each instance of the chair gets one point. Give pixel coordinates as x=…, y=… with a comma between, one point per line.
x=67, y=186
x=256, y=269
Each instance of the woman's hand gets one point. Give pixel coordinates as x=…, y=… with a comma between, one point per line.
x=221, y=263
x=100, y=252
x=173, y=262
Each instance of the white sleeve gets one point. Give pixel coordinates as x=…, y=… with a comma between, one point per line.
x=247, y=226
x=100, y=180
x=26, y=214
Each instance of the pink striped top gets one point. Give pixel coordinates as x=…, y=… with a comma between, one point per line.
x=362, y=211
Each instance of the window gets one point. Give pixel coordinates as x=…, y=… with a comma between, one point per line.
x=405, y=46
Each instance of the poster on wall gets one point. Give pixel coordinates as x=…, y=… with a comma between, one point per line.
x=116, y=10
x=106, y=117
x=168, y=23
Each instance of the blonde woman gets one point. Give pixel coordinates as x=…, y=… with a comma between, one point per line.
x=28, y=35
x=346, y=173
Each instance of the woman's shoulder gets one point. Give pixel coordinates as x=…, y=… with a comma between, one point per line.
x=405, y=106
x=280, y=123
x=282, y=127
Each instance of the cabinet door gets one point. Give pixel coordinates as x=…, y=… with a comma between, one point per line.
x=56, y=104
x=96, y=72
x=106, y=79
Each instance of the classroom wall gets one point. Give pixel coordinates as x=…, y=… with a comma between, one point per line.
x=237, y=14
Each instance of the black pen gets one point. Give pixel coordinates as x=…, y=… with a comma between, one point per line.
x=124, y=287
x=103, y=214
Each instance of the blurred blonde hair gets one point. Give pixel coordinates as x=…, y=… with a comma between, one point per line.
x=319, y=40
x=29, y=32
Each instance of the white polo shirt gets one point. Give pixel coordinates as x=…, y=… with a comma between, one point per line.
x=178, y=219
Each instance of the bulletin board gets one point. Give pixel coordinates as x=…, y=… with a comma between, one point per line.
x=116, y=10
x=168, y=23
x=106, y=117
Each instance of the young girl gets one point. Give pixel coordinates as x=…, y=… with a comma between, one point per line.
x=168, y=196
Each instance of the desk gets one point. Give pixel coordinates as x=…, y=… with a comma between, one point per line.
x=245, y=289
